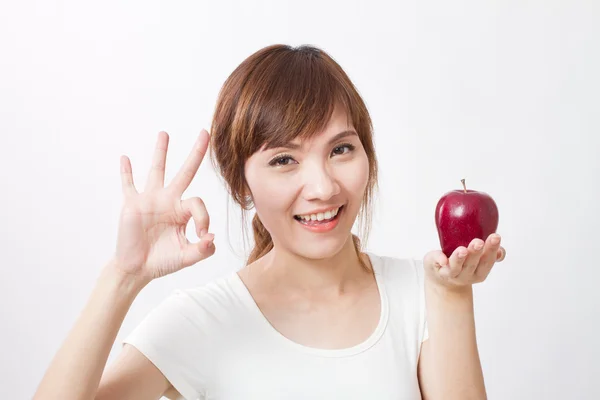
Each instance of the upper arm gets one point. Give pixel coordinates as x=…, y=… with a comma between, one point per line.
x=424, y=373
x=132, y=376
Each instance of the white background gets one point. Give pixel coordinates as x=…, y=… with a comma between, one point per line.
x=502, y=93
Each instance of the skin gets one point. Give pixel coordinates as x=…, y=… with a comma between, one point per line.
x=151, y=243
x=314, y=280
x=449, y=365
x=319, y=175
x=310, y=282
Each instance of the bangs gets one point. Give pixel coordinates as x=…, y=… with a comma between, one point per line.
x=275, y=96
x=289, y=95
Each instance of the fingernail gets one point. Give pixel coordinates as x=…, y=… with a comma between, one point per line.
x=478, y=246
x=500, y=253
x=495, y=240
x=462, y=254
x=203, y=232
x=207, y=244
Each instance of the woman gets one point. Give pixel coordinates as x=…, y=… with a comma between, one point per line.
x=310, y=315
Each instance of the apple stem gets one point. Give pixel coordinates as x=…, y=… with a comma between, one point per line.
x=464, y=186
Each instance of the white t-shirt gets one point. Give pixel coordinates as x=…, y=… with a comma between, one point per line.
x=213, y=342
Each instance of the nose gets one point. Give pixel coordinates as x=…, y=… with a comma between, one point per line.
x=320, y=184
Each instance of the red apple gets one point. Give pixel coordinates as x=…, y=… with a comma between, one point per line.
x=463, y=215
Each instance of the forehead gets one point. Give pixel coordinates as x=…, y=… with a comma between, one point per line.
x=338, y=123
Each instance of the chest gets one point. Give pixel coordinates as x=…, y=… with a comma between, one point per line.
x=382, y=372
x=336, y=323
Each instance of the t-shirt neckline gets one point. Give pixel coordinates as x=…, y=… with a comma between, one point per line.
x=343, y=352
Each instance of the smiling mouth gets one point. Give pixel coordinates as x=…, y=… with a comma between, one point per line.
x=316, y=222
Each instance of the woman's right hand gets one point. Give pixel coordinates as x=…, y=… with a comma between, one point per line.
x=151, y=239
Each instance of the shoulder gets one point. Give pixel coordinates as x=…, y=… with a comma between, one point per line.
x=396, y=268
x=189, y=325
x=402, y=278
x=403, y=282
x=190, y=319
x=202, y=310
x=221, y=296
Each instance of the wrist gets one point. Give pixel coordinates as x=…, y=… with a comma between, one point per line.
x=448, y=292
x=449, y=307
x=124, y=281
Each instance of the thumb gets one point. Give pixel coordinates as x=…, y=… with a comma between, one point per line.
x=435, y=259
x=196, y=252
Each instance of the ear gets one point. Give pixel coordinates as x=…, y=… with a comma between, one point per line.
x=246, y=192
x=247, y=196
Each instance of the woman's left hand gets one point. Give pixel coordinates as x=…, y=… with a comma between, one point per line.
x=465, y=266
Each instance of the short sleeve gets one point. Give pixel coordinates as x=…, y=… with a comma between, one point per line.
x=168, y=337
x=420, y=271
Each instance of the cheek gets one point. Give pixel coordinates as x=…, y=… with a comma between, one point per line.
x=356, y=175
x=272, y=196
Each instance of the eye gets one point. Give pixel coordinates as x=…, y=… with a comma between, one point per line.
x=281, y=160
x=339, y=150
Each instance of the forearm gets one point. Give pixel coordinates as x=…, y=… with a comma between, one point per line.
x=77, y=367
x=454, y=354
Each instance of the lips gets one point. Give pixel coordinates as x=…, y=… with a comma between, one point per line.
x=306, y=220
x=325, y=225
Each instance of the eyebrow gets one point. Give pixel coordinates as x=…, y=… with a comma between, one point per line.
x=341, y=135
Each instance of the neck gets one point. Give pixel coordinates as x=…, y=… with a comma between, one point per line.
x=332, y=275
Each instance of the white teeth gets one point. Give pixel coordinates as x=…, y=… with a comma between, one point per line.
x=320, y=216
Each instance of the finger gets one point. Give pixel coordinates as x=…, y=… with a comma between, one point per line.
x=501, y=254
x=196, y=252
x=127, y=184
x=476, y=248
x=195, y=207
x=187, y=172
x=492, y=245
x=455, y=263
x=436, y=259
x=156, y=176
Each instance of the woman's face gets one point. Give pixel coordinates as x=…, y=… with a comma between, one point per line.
x=297, y=190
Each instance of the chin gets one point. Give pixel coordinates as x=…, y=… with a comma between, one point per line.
x=326, y=248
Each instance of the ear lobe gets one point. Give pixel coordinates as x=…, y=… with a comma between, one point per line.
x=247, y=196
x=246, y=192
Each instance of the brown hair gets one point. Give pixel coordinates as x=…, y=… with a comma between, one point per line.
x=277, y=94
